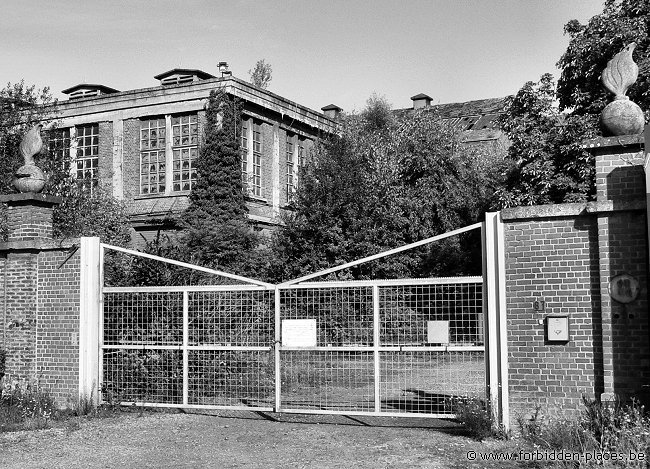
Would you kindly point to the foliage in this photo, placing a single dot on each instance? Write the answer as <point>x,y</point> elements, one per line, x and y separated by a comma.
<point>261,74</point>
<point>601,428</point>
<point>592,45</point>
<point>86,213</point>
<point>547,162</point>
<point>218,233</point>
<point>378,113</point>
<point>380,184</point>
<point>30,406</point>
<point>477,417</point>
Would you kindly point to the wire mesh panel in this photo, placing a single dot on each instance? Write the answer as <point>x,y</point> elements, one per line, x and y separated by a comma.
<point>328,380</point>
<point>143,375</point>
<point>450,313</point>
<point>343,315</point>
<point>243,318</point>
<point>143,318</point>
<point>231,378</point>
<point>430,382</point>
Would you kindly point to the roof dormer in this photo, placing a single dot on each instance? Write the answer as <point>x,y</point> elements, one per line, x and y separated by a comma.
<point>421,101</point>
<point>85,90</point>
<point>179,76</point>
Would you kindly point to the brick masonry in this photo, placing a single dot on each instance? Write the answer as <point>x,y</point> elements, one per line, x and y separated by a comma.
<point>566,255</point>
<point>39,298</point>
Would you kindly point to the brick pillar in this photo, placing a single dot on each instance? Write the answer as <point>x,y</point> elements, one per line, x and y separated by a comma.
<point>622,245</point>
<point>29,221</point>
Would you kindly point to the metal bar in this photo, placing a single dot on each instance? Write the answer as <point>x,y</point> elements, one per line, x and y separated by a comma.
<point>376,339</point>
<point>188,288</point>
<point>185,264</point>
<point>195,406</point>
<point>186,340</point>
<point>277,354</point>
<point>383,254</point>
<point>382,283</point>
<point>369,413</point>
<point>388,348</point>
<point>100,338</point>
<point>189,347</point>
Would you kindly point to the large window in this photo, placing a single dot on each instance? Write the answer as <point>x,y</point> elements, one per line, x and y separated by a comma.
<point>185,132</point>
<point>59,145</point>
<point>153,164</point>
<point>290,165</point>
<point>162,160</point>
<point>257,159</point>
<point>87,158</point>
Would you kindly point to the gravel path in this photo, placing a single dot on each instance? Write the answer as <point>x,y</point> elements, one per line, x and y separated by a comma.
<point>163,440</point>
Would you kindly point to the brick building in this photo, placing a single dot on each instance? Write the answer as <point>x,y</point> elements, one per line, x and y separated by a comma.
<point>141,144</point>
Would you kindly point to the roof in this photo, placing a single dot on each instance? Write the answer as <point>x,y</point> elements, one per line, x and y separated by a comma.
<point>469,115</point>
<point>102,88</point>
<point>331,107</point>
<point>421,96</point>
<point>185,71</point>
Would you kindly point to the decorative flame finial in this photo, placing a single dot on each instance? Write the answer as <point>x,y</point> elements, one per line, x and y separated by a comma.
<point>621,116</point>
<point>29,177</point>
<point>621,72</point>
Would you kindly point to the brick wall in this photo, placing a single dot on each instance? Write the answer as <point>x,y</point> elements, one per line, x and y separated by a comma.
<point>39,300</point>
<point>566,255</point>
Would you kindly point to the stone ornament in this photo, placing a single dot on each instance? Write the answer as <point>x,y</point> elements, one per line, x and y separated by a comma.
<point>29,177</point>
<point>621,116</point>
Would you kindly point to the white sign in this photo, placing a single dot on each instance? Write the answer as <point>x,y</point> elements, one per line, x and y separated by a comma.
<point>438,332</point>
<point>299,333</point>
<point>557,328</point>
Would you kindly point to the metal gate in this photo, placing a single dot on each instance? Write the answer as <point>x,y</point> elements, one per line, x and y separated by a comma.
<point>408,347</point>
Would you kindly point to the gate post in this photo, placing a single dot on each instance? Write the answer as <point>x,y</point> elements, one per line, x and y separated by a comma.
<point>494,307</point>
<point>89,318</point>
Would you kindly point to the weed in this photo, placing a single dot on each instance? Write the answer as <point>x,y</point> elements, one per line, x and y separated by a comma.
<point>477,417</point>
<point>28,406</point>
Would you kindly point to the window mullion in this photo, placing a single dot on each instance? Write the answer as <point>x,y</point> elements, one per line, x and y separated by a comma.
<point>169,159</point>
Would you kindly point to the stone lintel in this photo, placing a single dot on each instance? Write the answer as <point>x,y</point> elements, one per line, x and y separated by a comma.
<point>31,198</point>
<point>35,245</point>
<point>570,210</point>
<point>630,143</point>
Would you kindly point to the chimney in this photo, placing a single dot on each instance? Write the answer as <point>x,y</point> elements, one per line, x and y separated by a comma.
<point>421,101</point>
<point>332,111</point>
<point>223,68</point>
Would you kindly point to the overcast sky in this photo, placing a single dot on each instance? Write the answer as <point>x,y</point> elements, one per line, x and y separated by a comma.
<point>322,52</point>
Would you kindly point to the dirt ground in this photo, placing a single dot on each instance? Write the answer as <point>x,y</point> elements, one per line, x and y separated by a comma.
<point>245,440</point>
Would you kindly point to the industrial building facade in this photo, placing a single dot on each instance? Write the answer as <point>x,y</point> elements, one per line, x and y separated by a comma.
<point>141,145</point>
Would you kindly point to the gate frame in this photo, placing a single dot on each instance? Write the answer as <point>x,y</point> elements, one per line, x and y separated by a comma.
<point>495,325</point>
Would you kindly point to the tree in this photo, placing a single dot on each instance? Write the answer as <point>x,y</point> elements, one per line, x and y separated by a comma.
<point>218,233</point>
<point>547,161</point>
<point>261,74</point>
<point>592,45</point>
<point>377,187</point>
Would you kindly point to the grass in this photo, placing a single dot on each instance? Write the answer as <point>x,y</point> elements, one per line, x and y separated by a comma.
<point>32,407</point>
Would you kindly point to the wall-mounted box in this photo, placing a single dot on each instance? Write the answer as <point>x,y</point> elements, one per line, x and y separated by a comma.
<point>438,332</point>
<point>557,328</point>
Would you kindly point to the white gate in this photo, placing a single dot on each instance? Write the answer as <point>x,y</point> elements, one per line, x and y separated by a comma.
<point>408,347</point>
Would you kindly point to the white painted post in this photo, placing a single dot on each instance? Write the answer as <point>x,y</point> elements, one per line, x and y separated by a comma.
<point>186,343</point>
<point>376,338</point>
<point>89,319</point>
<point>276,350</point>
<point>496,345</point>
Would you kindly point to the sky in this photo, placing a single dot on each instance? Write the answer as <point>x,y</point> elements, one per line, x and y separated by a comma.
<point>321,52</point>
